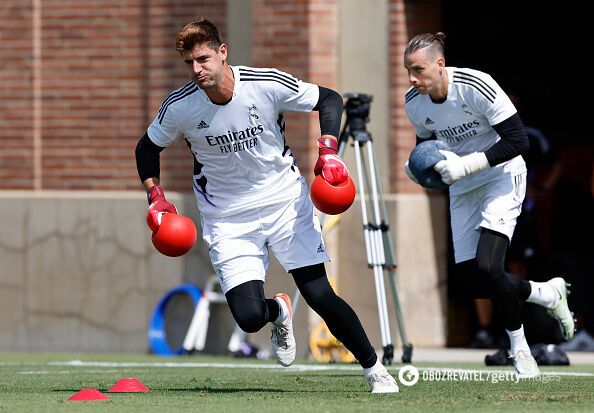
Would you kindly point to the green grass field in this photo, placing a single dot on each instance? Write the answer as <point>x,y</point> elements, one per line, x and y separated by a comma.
<point>35,383</point>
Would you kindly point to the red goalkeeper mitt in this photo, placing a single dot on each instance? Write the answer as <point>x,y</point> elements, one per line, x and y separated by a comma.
<point>329,164</point>
<point>158,205</point>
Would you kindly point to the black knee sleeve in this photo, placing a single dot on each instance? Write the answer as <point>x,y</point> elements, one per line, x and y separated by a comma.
<point>315,288</point>
<point>490,259</point>
<point>250,309</point>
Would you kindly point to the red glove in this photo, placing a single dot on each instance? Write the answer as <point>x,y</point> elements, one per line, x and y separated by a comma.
<point>158,205</point>
<point>329,165</point>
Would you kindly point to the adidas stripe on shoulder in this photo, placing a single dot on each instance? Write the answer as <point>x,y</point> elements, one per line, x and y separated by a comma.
<point>411,94</point>
<point>268,75</point>
<point>182,92</point>
<point>474,81</point>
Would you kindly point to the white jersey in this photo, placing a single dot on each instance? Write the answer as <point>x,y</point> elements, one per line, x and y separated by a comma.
<point>474,103</point>
<point>241,157</point>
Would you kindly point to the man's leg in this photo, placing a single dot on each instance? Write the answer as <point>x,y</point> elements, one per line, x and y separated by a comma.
<point>551,294</point>
<point>506,292</point>
<point>250,309</point>
<point>506,289</point>
<point>343,323</point>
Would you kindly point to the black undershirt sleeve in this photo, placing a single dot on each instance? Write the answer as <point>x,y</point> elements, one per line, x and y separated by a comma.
<point>514,141</point>
<point>330,107</point>
<point>419,140</point>
<point>147,158</point>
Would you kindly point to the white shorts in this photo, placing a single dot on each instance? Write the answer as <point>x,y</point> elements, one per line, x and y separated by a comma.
<point>238,244</point>
<point>495,205</point>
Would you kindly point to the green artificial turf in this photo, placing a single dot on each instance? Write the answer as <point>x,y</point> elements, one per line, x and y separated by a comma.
<point>36,382</point>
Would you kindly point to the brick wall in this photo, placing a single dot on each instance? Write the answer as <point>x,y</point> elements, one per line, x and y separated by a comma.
<point>407,19</point>
<point>323,60</point>
<point>16,94</point>
<point>299,37</point>
<point>104,69</point>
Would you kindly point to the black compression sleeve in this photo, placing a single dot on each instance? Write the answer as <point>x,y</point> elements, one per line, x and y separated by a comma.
<point>330,107</point>
<point>514,141</point>
<point>419,140</point>
<point>147,158</point>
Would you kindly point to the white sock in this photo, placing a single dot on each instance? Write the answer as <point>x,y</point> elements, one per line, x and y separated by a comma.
<point>543,294</point>
<point>283,311</point>
<point>518,341</point>
<point>376,368</point>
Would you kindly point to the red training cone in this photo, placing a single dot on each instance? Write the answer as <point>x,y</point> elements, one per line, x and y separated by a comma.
<point>88,395</point>
<point>128,385</point>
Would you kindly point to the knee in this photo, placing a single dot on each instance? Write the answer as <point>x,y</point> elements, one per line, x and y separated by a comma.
<point>489,269</point>
<point>494,277</point>
<point>319,299</point>
<point>250,321</point>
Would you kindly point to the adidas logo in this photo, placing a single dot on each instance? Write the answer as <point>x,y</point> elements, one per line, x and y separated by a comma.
<point>321,248</point>
<point>202,125</point>
<point>428,121</point>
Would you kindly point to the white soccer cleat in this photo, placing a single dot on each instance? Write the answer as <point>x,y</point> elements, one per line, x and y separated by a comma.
<point>283,340</point>
<point>525,365</point>
<point>561,310</point>
<point>382,382</point>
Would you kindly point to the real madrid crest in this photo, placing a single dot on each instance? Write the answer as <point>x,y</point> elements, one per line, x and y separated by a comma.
<point>466,110</point>
<point>254,112</point>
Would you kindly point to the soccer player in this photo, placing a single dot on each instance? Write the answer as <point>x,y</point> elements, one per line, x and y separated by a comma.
<point>468,111</point>
<point>250,193</point>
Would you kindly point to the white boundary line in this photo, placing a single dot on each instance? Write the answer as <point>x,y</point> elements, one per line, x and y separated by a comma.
<point>293,368</point>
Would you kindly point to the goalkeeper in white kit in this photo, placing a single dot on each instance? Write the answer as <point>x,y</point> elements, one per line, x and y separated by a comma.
<point>250,192</point>
<point>486,174</point>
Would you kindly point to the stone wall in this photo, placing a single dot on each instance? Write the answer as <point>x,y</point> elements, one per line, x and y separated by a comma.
<point>79,272</point>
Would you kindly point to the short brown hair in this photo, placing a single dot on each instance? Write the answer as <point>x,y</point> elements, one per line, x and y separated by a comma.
<point>201,31</point>
<point>435,41</point>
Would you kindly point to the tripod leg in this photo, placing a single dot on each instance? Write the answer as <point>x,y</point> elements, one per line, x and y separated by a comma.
<point>377,238</point>
<point>366,228</point>
<point>375,256</point>
<point>390,263</point>
<point>295,300</point>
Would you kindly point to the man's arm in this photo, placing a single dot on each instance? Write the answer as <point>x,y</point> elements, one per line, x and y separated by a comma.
<point>330,107</point>
<point>147,161</point>
<point>148,166</point>
<point>329,164</point>
<point>513,142</point>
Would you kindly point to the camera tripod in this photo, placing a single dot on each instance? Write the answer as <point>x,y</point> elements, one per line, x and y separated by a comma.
<point>378,240</point>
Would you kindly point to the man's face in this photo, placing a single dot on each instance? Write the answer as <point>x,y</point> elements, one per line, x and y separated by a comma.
<point>205,65</point>
<point>423,70</point>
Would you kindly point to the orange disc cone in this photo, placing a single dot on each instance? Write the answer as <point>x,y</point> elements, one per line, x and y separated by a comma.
<point>128,385</point>
<point>88,395</point>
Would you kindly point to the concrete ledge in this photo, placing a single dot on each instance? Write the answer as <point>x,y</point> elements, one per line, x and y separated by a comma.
<point>79,272</point>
